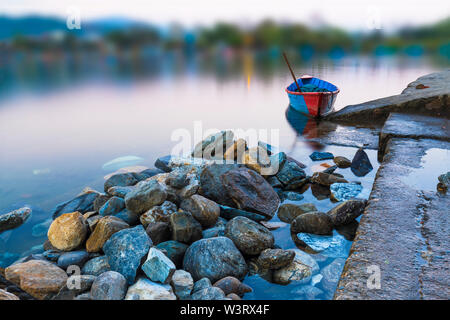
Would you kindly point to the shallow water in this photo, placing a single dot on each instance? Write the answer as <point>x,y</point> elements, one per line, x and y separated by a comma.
<point>59,127</point>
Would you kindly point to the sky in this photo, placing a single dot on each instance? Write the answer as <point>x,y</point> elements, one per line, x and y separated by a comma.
<point>347,14</point>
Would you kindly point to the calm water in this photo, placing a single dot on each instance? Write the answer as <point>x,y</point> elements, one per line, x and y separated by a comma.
<point>62,119</point>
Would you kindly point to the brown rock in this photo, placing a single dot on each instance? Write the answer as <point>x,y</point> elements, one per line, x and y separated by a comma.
<point>347,211</point>
<point>233,296</point>
<point>68,231</point>
<point>289,211</point>
<point>313,222</point>
<point>39,278</point>
<point>158,232</point>
<point>232,285</point>
<point>326,179</point>
<point>342,162</point>
<point>202,209</point>
<point>275,258</point>
<point>159,213</point>
<point>250,191</point>
<point>105,228</point>
<point>5,295</point>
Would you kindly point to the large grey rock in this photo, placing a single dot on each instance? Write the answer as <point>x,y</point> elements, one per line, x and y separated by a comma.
<point>14,218</point>
<point>109,285</point>
<point>249,236</point>
<point>146,195</point>
<point>77,258</point>
<point>214,258</point>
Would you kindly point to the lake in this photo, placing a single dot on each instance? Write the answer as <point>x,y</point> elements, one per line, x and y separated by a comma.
<point>63,118</point>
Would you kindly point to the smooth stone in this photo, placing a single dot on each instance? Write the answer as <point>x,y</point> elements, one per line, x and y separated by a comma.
<point>182,284</point>
<point>41,229</point>
<point>77,258</point>
<point>184,227</point>
<point>39,278</point>
<point>211,186</point>
<point>201,284</point>
<point>232,285</point>
<point>348,231</point>
<point>126,249</point>
<point>14,219</point>
<point>326,179</point>
<point>213,232</point>
<point>230,213</point>
<point>158,232</point>
<point>249,236</point>
<point>214,258</point>
<point>162,163</point>
<point>145,289</point>
<point>346,212</point>
<point>52,255</point>
<point>202,209</point>
<point>361,164</point>
<point>210,293</point>
<point>120,180</point>
<point>345,191</point>
<point>318,156</point>
<point>174,250</point>
<point>159,213</point>
<point>128,217</point>
<point>113,206</point>
<point>158,267</point>
<point>104,229</point>
<point>68,231</point>
<point>342,162</point>
<point>82,203</point>
<point>250,191</point>
<point>320,192</point>
<point>301,269</point>
<point>99,201</point>
<point>120,192</point>
<point>275,258</point>
<point>332,273</point>
<point>109,285</point>
<point>146,195</point>
<point>96,266</point>
<point>312,222</point>
<point>289,211</point>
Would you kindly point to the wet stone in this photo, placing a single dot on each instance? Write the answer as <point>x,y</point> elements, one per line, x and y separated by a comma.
<point>361,164</point>
<point>275,258</point>
<point>77,258</point>
<point>109,285</point>
<point>96,266</point>
<point>158,267</point>
<point>346,212</point>
<point>232,285</point>
<point>342,162</point>
<point>319,156</point>
<point>174,250</point>
<point>312,222</point>
<point>345,191</point>
<point>289,211</point>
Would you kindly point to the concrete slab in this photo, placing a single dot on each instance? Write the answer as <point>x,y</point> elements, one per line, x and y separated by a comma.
<point>404,229</point>
<point>433,101</point>
<point>414,127</point>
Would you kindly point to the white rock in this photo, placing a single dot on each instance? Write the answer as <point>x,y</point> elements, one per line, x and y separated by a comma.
<point>144,289</point>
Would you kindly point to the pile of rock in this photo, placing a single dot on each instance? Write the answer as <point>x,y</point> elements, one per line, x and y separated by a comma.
<point>190,229</point>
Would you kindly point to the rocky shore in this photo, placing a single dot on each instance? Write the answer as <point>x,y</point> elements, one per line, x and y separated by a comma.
<point>192,228</point>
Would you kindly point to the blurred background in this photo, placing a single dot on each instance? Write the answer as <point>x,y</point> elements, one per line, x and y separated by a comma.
<point>84,82</point>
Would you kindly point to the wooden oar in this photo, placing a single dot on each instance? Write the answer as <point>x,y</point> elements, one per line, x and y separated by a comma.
<point>292,72</point>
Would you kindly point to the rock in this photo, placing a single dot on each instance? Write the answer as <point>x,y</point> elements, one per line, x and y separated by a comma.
<point>346,212</point>
<point>158,213</point>
<point>92,221</point>
<point>301,165</point>
<point>184,227</point>
<point>233,296</point>
<point>162,163</point>
<point>275,258</point>
<point>308,291</point>
<point>52,255</point>
<point>75,285</point>
<point>5,295</point>
<point>214,145</point>
<point>201,284</point>
<point>273,225</point>
<point>113,206</point>
<point>41,229</point>
<point>236,151</point>
<point>214,258</point>
<point>326,179</point>
<point>120,180</point>
<point>302,268</point>
<point>68,231</point>
<point>105,228</point>
<point>331,170</point>
<point>331,274</point>
<point>249,236</point>
<point>312,222</point>
<point>146,195</point>
<point>278,160</point>
<point>445,179</point>
<point>230,213</point>
<point>319,156</point>
<point>289,211</point>
<point>182,284</point>
<point>178,178</point>
<point>328,246</point>
<point>174,250</point>
<point>14,218</point>
<point>120,192</point>
<point>250,191</point>
<point>256,159</point>
<point>99,201</point>
<point>82,203</point>
<point>39,278</point>
<point>274,182</point>
<point>125,250</point>
<point>361,164</point>
<point>345,191</point>
<point>292,196</point>
<point>77,258</point>
<point>158,232</point>
<point>319,191</point>
<point>203,210</point>
<point>213,232</point>
<point>96,266</point>
<point>109,285</point>
<point>158,267</point>
<point>232,285</point>
<point>128,217</point>
<point>144,289</point>
<point>211,185</point>
<point>291,175</point>
<point>348,231</point>
<point>342,162</point>
<point>210,293</point>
